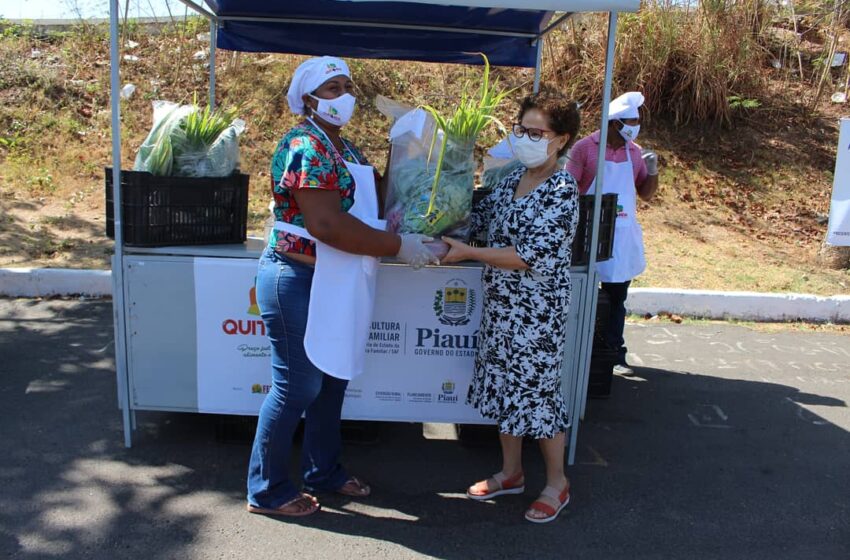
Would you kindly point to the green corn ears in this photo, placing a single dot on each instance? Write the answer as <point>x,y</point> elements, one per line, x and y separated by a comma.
<point>473,114</point>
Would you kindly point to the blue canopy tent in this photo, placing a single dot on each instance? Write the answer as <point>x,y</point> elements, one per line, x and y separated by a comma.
<point>509,32</point>
<point>388,30</point>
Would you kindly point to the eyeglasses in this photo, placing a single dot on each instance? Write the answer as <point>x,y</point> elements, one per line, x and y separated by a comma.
<point>534,134</point>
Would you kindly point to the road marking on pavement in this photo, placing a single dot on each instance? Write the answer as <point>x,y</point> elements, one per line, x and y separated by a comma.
<point>657,358</point>
<point>729,348</point>
<point>709,416</point>
<point>802,414</point>
<point>672,335</point>
<point>805,414</point>
<point>598,460</point>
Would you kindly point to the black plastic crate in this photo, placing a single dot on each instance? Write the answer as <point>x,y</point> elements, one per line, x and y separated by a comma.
<point>160,211</point>
<point>607,218</point>
<point>581,241</point>
<point>602,357</point>
<point>602,362</point>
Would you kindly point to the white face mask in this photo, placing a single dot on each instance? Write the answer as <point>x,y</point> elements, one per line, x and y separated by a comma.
<point>528,152</point>
<point>337,111</point>
<point>629,131</point>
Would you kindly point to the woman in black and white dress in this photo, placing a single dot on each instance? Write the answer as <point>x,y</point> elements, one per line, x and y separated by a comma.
<point>529,221</point>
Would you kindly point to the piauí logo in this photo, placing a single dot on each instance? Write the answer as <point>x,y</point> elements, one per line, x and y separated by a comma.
<point>332,67</point>
<point>454,303</point>
<point>448,394</point>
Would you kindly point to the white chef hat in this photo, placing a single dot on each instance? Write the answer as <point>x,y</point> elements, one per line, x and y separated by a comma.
<point>311,74</point>
<point>626,106</point>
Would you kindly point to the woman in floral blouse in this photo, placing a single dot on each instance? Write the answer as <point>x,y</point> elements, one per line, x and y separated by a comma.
<point>313,182</point>
<point>529,221</point>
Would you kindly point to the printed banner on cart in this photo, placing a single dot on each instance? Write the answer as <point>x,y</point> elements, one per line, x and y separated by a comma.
<point>420,354</point>
<point>838,232</point>
<point>234,354</point>
<point>421,347</point>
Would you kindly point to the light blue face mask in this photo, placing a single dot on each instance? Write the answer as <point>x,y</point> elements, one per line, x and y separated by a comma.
<point>530,153</point>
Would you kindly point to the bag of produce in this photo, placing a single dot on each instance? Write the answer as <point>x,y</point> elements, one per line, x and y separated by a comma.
<point>432,168</point>
<point>499,162</point>
<point>188,141</point>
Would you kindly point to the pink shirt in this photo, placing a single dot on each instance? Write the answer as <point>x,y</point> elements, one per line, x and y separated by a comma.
<point>583,157</point>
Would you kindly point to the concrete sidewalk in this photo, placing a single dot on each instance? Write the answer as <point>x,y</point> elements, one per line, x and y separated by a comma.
<point>730,443</point>
<point>709,304</point>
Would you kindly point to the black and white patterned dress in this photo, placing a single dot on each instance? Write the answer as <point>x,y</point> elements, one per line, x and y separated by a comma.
<point>517,379</point>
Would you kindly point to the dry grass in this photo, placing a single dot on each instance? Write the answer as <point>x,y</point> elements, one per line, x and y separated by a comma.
<point>738,209</point>
<point>688,62</point>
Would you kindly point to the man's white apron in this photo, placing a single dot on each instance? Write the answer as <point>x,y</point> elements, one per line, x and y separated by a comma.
<point>627,260</point>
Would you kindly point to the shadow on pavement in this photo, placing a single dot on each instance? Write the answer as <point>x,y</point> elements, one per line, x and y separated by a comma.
<point>674,465</point>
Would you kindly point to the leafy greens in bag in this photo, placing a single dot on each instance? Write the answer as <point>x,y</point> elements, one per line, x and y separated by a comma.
<point>189,141</point>
<point>432,174</point>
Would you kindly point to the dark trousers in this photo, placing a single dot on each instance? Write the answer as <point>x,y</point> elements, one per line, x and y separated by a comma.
<point>613,335</point>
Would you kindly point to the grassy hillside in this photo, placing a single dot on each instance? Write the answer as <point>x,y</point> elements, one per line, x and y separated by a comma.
<point>745,184</point>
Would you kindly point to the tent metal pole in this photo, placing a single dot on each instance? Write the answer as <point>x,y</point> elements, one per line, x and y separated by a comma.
<point>196,8</point>
<point>552,26</point>
<point>213,40</point>
<point>589,299</point>
<point>538,67</point>
<point>118,306</point>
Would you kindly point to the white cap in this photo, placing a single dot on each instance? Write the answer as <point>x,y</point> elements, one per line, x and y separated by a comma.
<point>626,106</point>
<point>311,74</point>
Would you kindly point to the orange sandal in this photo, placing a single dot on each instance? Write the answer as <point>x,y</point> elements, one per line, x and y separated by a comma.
<point>505,485</point>
<point>299,512</point>
<point>561,496</point>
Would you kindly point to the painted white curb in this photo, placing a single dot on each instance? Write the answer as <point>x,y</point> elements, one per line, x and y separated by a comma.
<point>748,306</point>
<point>41,282</point>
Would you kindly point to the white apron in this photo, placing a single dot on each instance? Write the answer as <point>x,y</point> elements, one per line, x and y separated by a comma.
<point>343,291</point>
<point>627,260</point>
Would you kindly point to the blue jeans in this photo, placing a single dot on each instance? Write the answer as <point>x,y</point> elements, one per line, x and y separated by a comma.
<point>613,335</point>
<point>298,388</point>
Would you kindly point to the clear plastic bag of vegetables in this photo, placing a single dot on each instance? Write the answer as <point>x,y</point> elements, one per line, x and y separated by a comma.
<point>419,200</point>
<point>432,168</point>
<point>189,141</point>
<point>499,162</point>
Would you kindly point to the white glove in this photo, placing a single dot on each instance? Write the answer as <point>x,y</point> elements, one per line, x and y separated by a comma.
<point>651,160</point>
<point>414,252</point>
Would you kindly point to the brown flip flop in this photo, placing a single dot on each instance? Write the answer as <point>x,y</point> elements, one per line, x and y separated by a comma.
<point>314,507</point>
<point>363,489</point>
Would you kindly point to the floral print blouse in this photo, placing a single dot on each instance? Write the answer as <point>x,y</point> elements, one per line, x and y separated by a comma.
<point>305,159</point>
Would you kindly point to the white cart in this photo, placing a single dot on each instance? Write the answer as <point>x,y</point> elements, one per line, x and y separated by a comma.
<point>187,336</point>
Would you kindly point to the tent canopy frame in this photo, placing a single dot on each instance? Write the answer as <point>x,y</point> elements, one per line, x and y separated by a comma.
<point>588,310</point>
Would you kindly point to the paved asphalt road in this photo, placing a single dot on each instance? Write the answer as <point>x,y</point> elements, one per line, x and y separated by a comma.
<point>730,443</point>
